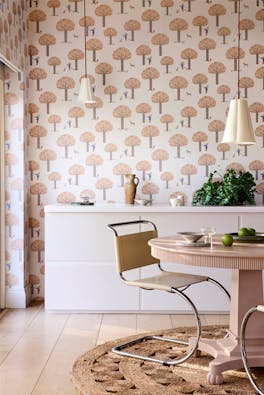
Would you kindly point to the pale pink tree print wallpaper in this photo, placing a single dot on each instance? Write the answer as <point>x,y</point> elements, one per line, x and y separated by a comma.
<point>163,73</point>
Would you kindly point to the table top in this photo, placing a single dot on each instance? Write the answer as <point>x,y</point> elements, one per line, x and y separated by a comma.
<point>244,256</point>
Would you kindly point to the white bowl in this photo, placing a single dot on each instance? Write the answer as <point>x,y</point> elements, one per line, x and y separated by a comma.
<point>191,237</point>
<point>142,202</point>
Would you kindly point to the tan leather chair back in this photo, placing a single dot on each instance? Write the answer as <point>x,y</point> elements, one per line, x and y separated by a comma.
<point>133,251</point>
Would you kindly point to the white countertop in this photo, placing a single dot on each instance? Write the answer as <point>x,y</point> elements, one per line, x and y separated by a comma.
<point>156,208</point>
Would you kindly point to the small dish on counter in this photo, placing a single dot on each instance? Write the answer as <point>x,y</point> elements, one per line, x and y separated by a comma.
<point>191,237</point>
<point>143,202</point>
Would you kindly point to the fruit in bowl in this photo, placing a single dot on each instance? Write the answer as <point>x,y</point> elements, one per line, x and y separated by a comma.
<point>243,232</point>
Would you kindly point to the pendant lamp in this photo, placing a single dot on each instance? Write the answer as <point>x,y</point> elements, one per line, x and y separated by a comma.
<point>239,129</point>
<point>85,92</point>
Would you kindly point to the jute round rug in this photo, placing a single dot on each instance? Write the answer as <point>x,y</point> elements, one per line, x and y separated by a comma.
<point>99,371</point>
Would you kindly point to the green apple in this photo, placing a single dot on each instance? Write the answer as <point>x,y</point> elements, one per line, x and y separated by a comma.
<point>243,232</point>
<point>251,231</point>
<point>227,240</point>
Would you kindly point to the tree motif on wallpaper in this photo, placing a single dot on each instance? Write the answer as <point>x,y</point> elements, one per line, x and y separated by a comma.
<point>160,155</point>
<point>216,68</point>
<point>87,138</point>
<point>103,184</point>
<point>188,170</point>
<point>65,83</point>
<point>256,108</point>
<point>47,40</point>
<point>122,112</point>
<point>150,16</point>
<point>189,113</point>
<point>37,16</point>
<point>33,167</point>
<point>178,25</point>
<point>256,166</point>
<point>66,198</point>
<point>76,170</point>
<point>32,51</point>
<point>47,98</point>
<point>94,45</point>
<point>167,176</point>
<point>54,119</point>
<point>87,193</point>
<point>223,90</point>
<point>132,84</point>
<point>217,10</point>
<point>206,160</point>
<point>131,26</point>
<point>10,161</point>
<point>150,188</point>
<point>94,106</point>
<point>54,61</point>
<point>11,280</point>
<point>150,131</point>
<point>144,166</point>
<point>10,99</point>
<point>75,2</point>
<point>11,220</point>
<point>246,25</point>
<point>189,54</point>
<point>167,4</point>
<point>259,132</point>
<point>150,73</point>
<point>103,11</point>
<point>200,80</point>
<point>33,224</point>
<point>37,132</point>
<point>94,161</point>
<point>160,40</point>
<point>178,140</point>
<point>178,83</point>
<point>260,75</point>
<point>86,22</point>
<point>48,155</point>
<point>17,124</point>
<point>201,22</point>
<point>216,127</point>
<point>38,247</point>
<point>167,61</point>
<point>224,32</point>
<point>207,44</point>
<point>143,108</point>
<point>65,25</point>
<point>235,53</point>
<point>66,141</point>
<point>17,185</point>
<point>160,98</point>
<point>121,5</point>
<point>167,119</point>
<point>260,17</point>
<point>132,142</point>
<point>122,54</point>
<point>104,127</point>
<point>246,83</point>
<point>223,147</point>
<point>54,177</point>
<point>121,169</point>
<point>104,69</point>
<point>53,4</point>
<point>76,113</point>
<point>110,147</point>
<point>110,90</point>
<point>206,102</point>
<point>110,32</point>
<point>144,51</point>
<point>76,55</point>
<point>38,189</point>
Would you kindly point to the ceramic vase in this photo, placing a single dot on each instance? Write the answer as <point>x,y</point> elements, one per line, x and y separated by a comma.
<point>130,188</point>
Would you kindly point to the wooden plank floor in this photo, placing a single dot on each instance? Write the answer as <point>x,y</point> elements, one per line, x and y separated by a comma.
<point>37,349</point>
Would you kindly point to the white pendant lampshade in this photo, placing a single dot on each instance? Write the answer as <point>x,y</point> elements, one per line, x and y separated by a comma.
<point>239,128</point>
<point>86,93</point>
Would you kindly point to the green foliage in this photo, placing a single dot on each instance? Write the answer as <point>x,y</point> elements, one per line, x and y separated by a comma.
<point>234,189</point>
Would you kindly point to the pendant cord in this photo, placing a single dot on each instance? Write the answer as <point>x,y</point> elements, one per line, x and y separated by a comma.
<point>238,57</point>
<point>84,28</point>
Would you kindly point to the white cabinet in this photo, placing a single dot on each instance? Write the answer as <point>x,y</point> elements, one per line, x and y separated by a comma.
<point>80,270</point>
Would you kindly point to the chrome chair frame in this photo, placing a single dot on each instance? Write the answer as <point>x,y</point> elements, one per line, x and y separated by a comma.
<point>172,289</point>
<point>243,346</point>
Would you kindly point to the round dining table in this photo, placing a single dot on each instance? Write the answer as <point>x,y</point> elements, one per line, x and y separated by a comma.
<point>246,260</point>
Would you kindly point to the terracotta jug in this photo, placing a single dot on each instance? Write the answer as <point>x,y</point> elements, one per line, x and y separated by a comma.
<point>130,188</point>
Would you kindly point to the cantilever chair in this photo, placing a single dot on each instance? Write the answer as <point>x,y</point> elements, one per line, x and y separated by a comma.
<point>133,252</point>
<point>243,346</point>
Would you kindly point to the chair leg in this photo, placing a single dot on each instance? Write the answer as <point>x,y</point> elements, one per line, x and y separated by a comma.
<point>219,285</point>
<point>243,347</point>
<point>118,349</point>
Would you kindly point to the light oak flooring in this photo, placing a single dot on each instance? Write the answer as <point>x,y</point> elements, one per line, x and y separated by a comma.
<point>37,349</point>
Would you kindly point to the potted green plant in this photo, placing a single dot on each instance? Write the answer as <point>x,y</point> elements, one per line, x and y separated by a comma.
<point>233,189</point>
